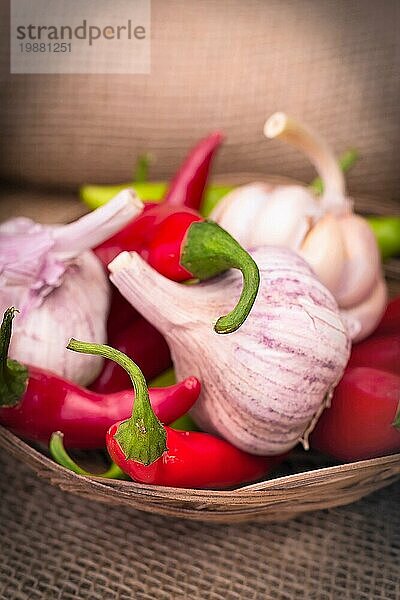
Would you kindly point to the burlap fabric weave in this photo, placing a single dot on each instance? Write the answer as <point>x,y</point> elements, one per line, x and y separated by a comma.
<point>59,547</point>
<point>225,65</point>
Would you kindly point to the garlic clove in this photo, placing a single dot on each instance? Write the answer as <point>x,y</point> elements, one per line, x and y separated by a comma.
<point>362,265</point>
<point>287,217</point>
<point>258,214</point>
<point>239,208</point>
<point>363,318</point>
<point>324,250</point>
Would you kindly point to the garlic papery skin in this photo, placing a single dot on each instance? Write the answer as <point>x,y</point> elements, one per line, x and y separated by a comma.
<point>59,286</point>
<point>263,384</point>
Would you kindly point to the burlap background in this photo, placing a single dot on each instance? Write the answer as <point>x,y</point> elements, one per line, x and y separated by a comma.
<point>59,547</point>
<point>218,64</point>
<point>223,65</point>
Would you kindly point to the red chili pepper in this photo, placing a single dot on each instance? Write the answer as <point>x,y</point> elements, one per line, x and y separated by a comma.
<point>364,418</point>
<point>193,460</point>
<point>127,330</point>
<point>182,246</point>
<point>187,187</point>
<point>145,345</point>
<point>166,246</point>
<point>379,352</point>
<point>121,315</point>
<point>35,403</point>
<point>151,453</point>
<point>390,322</point>
<point>186,190</point>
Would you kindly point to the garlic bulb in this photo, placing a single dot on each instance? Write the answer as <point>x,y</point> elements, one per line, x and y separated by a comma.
<point>339,246</point>
<point>263,385</point>
<point>59,286</point>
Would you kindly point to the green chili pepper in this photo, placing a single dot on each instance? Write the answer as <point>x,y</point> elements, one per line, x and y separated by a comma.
<point>387,233</point>
<point>153,191</point>
<point>97,195</point>
<point>60,455</point>
<point>214,193</point>
<point>166,378</point>
<point>184,423</point>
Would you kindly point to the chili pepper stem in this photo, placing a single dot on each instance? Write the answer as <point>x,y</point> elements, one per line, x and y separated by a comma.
<point>60,455</point>
<point>13,375</point>
<point>141,173</point>
<point>210,250</point>
<point>141,437</point>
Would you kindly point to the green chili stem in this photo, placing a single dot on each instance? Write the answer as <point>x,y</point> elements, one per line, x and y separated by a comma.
<point>141,173</point>
<point>61,456</point>
<point>5,337</point>
<point>210,250</point>
<point>142,437</point>
<point>13,375</point>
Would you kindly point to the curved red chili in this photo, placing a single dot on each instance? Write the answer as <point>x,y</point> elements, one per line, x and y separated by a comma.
<point>193,460</point>
<point>180,245</point>
<point>185,192</point>
<point>35,403</point>
<point>188,185</point>
<point>127,330</point>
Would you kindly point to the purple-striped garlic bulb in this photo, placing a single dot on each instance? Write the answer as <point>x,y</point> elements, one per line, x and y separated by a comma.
<point>336,243</point>
<point>264,385</point>
<point>59,286</point>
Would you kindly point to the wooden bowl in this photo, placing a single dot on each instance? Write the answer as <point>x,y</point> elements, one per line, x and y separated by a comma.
<point>310,484</point>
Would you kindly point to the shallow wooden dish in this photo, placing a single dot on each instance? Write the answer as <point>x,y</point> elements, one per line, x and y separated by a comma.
<point>317,486</point>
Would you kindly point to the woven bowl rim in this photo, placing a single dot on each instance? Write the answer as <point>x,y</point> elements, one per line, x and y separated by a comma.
<point>246,492</point>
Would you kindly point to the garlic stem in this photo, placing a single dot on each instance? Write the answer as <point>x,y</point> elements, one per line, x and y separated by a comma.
<point>98,225</point>
<point>281,126</point>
